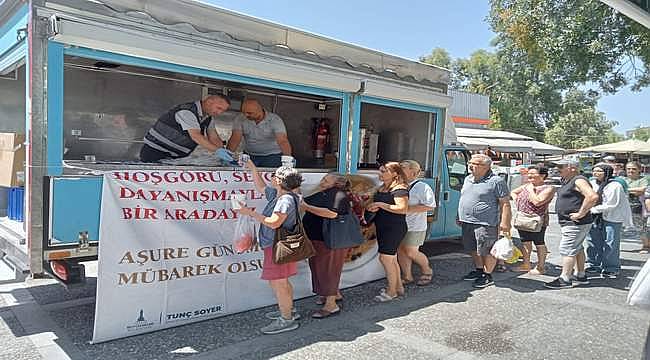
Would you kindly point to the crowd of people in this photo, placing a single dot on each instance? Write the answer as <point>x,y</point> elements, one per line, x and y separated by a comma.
<point>591,213</point>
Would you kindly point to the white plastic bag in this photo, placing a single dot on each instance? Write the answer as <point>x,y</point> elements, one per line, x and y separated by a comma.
<point>639,294</point>
<point>245,233</point>
<point>503,248</point>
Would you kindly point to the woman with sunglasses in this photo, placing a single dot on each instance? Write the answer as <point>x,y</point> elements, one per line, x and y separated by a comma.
<point>390,203</point>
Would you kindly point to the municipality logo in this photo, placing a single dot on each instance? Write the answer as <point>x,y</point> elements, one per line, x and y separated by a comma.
<point>140,323</point>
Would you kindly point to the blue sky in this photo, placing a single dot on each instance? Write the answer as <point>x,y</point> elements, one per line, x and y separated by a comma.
<point>413,29</point>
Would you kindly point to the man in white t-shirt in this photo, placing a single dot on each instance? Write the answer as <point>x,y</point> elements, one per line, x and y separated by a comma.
<point>180,130</point>
<point>421,200</point>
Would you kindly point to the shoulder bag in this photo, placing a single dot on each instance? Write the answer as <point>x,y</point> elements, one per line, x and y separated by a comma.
<point>528,222</point>
<point>292,245</point>
<point>344,231</point>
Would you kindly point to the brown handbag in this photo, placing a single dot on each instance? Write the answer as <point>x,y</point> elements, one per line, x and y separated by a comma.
<point>292,245</point>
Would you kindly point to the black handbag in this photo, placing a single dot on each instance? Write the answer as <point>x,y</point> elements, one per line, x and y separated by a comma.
<point>344,231</point>
<point>292,245</point>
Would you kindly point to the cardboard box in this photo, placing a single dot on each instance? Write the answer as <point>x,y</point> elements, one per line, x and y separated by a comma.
<point>12,159</point>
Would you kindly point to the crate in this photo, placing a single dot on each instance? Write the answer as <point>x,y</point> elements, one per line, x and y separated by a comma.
<point>16,204</point>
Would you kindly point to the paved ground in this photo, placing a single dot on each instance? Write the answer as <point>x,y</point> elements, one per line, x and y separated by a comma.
<point>516,319</point>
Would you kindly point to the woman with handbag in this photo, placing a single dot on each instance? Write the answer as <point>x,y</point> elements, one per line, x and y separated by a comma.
<point>421,200</point>
<point>531,219</point>
<point>390,204</point>
<point>280,211</point>
<point>612,211</point>
<point>331,202</point>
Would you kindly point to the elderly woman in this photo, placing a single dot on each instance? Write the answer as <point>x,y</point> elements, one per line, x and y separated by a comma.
<point>637,185</point>
<point>534,198</point>
<point>280,210</point>
<point>421,200</point>
<point>612,210</point>
<point>390,203</point>
<point>326,266</point>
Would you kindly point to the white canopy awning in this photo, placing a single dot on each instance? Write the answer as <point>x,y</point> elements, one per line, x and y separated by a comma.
<point>504,141</point>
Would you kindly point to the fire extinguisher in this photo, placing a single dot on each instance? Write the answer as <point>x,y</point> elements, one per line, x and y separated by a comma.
<point>321,138</point>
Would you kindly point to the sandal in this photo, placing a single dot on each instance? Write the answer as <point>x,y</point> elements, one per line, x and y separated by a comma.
<point>535,271</point>
<point>400,292</point>
<point>383,297</point>
<point>322,313</point>
<point>425,279</point>
<point>407,282</point>
<point>321,300</point>
<point>522,268</point>
<point>500,268</point>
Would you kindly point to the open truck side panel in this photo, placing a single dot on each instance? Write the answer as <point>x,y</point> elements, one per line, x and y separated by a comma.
<point>97,77</point>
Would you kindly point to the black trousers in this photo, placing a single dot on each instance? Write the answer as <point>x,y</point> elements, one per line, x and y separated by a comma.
<point>151,155</point>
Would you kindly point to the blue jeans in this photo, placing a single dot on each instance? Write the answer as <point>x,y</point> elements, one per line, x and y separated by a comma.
<point>604,247</point>
<point>270,161</point>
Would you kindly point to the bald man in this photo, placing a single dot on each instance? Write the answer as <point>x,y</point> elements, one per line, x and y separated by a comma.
<point>264,134</point>
<point>180,130</point>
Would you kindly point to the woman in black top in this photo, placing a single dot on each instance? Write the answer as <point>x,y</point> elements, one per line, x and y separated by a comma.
<point>390,204</point>
<point>326,266</point>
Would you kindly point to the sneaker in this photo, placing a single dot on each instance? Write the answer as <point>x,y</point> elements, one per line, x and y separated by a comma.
<point>579,280</point>
<point>610,274</point>
<point>280,325</point>
<point>473,275</point>
<point>484,281</point>
<point>592,270</point>
<point>558,283</point>
<point>274,315</point>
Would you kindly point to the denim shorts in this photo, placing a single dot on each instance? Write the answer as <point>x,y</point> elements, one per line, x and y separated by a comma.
<point>479,238</point>
<point>573,237</point>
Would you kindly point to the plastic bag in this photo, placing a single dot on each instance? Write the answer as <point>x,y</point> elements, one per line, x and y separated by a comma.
<point>503,248</point>
<point>245,234</point>
<point>516,254</point>
<point>639,294</point>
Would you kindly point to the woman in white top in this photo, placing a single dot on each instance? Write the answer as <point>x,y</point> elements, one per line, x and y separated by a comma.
<point>613,210</point>
<point>421,200</point>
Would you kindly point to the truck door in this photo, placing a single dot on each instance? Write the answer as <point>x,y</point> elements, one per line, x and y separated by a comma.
<point>456,160</point>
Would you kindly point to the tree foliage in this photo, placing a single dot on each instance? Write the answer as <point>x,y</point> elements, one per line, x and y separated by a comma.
<point>577,41</point>
<point>551,60</point>
<point>642,134</point>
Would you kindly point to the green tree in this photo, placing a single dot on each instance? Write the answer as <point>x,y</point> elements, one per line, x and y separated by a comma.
<point>439,57</point>
<point>642,134</point>
<point>577,41</point>
<point>582,128</point>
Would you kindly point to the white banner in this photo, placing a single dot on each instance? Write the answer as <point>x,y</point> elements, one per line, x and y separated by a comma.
<point>167,259</point>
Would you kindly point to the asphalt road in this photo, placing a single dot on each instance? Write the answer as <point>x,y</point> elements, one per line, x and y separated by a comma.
<point>515,319</point>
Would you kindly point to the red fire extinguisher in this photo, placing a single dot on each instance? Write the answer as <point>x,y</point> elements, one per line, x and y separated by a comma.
<point>321,138</point>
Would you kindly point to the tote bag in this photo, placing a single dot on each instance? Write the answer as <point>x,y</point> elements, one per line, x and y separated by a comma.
<point>344,231</point>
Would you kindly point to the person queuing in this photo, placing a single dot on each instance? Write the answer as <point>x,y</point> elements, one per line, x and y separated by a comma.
<point>280,210</point>
<point>574,200</point>
<point>534,198</point>
<point>180,130</point>
<point>483,210</point>
<point>637,185</point>
<point>263,132</point>
<point>611,212</point>
<point>326,266</point>
<point>421,200</point>
<point>390,203</point>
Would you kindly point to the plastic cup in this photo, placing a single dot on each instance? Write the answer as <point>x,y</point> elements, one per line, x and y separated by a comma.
<point>288,160</point>
<point>235,200</point>
<point>243,159</point>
